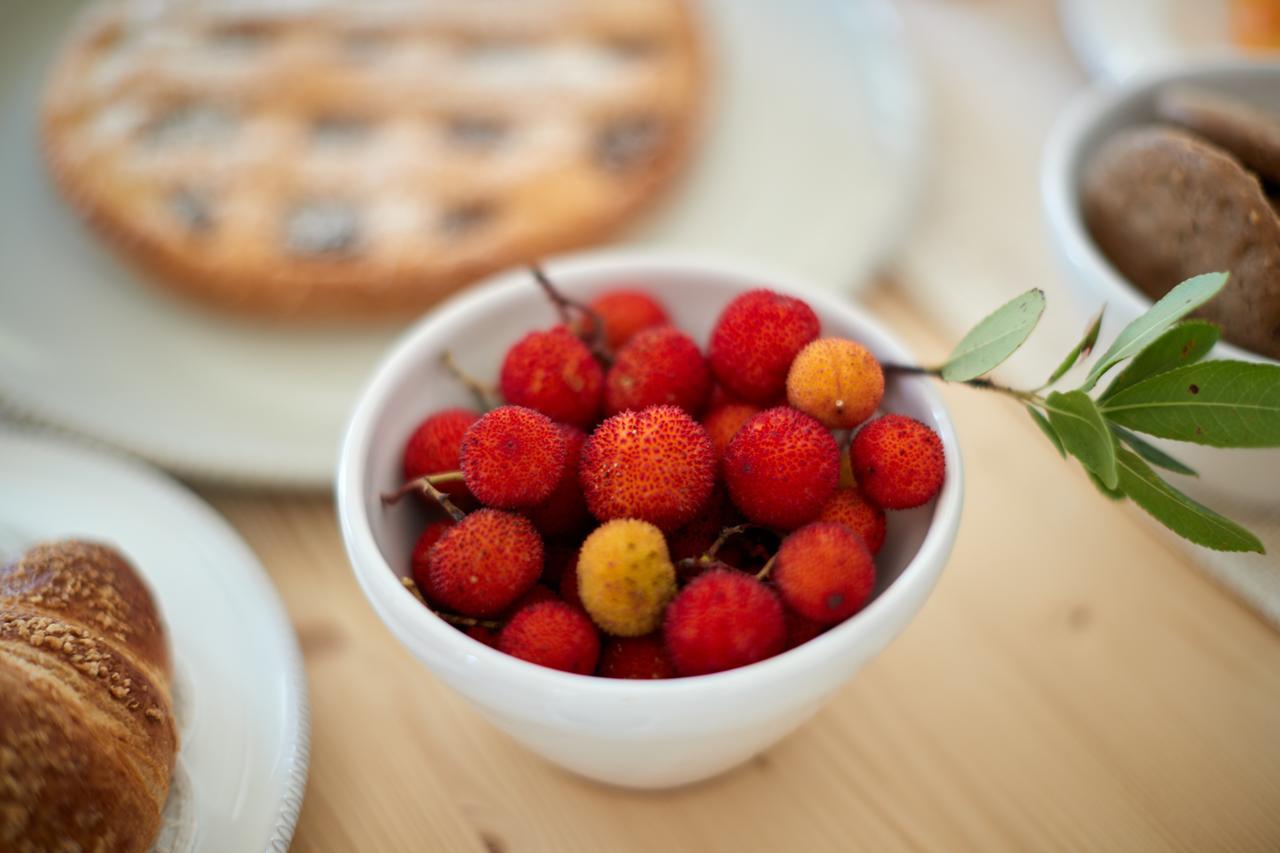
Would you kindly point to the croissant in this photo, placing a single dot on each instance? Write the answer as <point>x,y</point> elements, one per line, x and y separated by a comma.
<point>87,737</point>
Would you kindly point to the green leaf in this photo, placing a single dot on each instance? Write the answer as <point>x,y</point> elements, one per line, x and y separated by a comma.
<point>1219,403</point>
<point>1179,513</point>
<point>1185,343</point>
<point>994,339</point>
<point>1173,306</point>
<point>1109,493</point>
<point>1084,433</point>
<point>1151,453</point>
<point>1083,348</point>
<point>1047,429</point>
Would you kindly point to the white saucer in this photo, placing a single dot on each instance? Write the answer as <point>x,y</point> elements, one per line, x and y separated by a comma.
<point>239,691</point>
<point>809,165</point>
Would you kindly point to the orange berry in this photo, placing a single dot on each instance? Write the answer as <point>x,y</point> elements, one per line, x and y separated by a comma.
<point>848,506</point>
<point>837,381</point>
<point>625,312</point>
<point>722,423</point>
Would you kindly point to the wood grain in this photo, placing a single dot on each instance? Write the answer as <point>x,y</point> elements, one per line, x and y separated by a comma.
<point>1072,684</point>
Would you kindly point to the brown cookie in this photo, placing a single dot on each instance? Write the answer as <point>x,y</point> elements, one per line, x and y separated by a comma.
<point>339,160</point>
<point>1250,133</point>
<point>1163,206</point>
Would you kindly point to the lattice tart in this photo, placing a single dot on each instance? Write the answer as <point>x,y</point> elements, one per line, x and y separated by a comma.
<point>312,160</point>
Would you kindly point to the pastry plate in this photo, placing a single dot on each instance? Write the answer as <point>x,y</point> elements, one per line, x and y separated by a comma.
<point>809,164</point>
<point>1116,39</point>
<point>240,695</point>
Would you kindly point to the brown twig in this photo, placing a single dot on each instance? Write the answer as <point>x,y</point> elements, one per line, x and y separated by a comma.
<point>486,395</point>
<point>427,486</point>
<point>599,348</point>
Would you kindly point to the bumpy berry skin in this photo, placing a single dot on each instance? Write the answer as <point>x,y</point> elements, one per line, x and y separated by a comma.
<point>433,447</point>
<point>848,506</point>
<point>898,462</point>
<point>625,577</point>
<point>723,619</point>
<point>723,422</point>
<point>755,340</point>
<point>555,373</point>
<point>536,595</point>
<point>659,366</point>
<point>481,634</point>
<point>554,635</point>
<point>656,465</point>
<point>482,564</point>
<point>565,511</point>
<point>837,381</point>
<point>635,657</point>
<point>824,572</point>
<point>625,313</point>
<point>419,560</point>
<point>781,467</point>
<point>512,458</point>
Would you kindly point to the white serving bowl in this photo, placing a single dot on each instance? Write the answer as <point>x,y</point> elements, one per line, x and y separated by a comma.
<point>1245,480</point>
<point>634,733</point>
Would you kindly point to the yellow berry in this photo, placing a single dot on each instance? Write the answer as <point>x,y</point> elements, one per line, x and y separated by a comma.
<point>837,381</point>
<point>625,577</point>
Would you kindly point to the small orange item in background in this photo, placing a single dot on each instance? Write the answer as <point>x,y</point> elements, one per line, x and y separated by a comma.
<point>1255,24</point>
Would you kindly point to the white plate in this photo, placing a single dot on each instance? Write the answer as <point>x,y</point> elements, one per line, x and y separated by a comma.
<point>809,165</point>
<point>240,693</point>
<point>1115,39</point>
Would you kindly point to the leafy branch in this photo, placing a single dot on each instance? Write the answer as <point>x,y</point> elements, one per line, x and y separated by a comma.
<point>1163,389</point>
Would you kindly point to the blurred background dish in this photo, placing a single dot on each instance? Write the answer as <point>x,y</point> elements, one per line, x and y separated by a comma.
<point>1116,39</point>
<point>819,186</point>
<point>240,695</point>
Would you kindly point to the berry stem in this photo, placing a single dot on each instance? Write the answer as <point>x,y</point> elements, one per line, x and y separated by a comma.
<point>410,585</point>
<point>563,303</point>
<point>981,383</point>
<point>426,485</point>
<point>764,573</point>
<point>486,395</point>
<point>467,621</point>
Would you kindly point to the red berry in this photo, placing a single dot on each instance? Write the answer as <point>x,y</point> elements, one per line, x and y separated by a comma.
<point>781,467</point>
<point>536,595</point>
<point>801,630</point>
<point>552,634</point>
<point>898,461</point>
<point>513,458</point>
<point>755,340</point>
<point>625,312</point>
<point>555,373</point>
<point>723,422</point>
<point>569,586</point>
<point>419,559</point>
<point>721,620</point>
<point>635,657</point>
<point>481,634</point>
<point>433,447</point>
<point>565,511</point>
<point>484,563</point>
<point>848,506</point>
<point>656,465</point>
<point>824,572</point>
<point>659,365</point>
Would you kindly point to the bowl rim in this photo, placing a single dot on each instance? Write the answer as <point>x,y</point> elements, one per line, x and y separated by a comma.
<point>396,606</point>
<point>1061,163</point>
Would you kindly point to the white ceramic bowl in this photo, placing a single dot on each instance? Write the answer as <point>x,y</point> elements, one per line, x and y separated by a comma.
<point>1241,479</point>
<point>642,734</point>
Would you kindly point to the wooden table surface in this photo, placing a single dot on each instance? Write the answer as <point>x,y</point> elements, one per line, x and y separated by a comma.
<point>1073,683</point>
